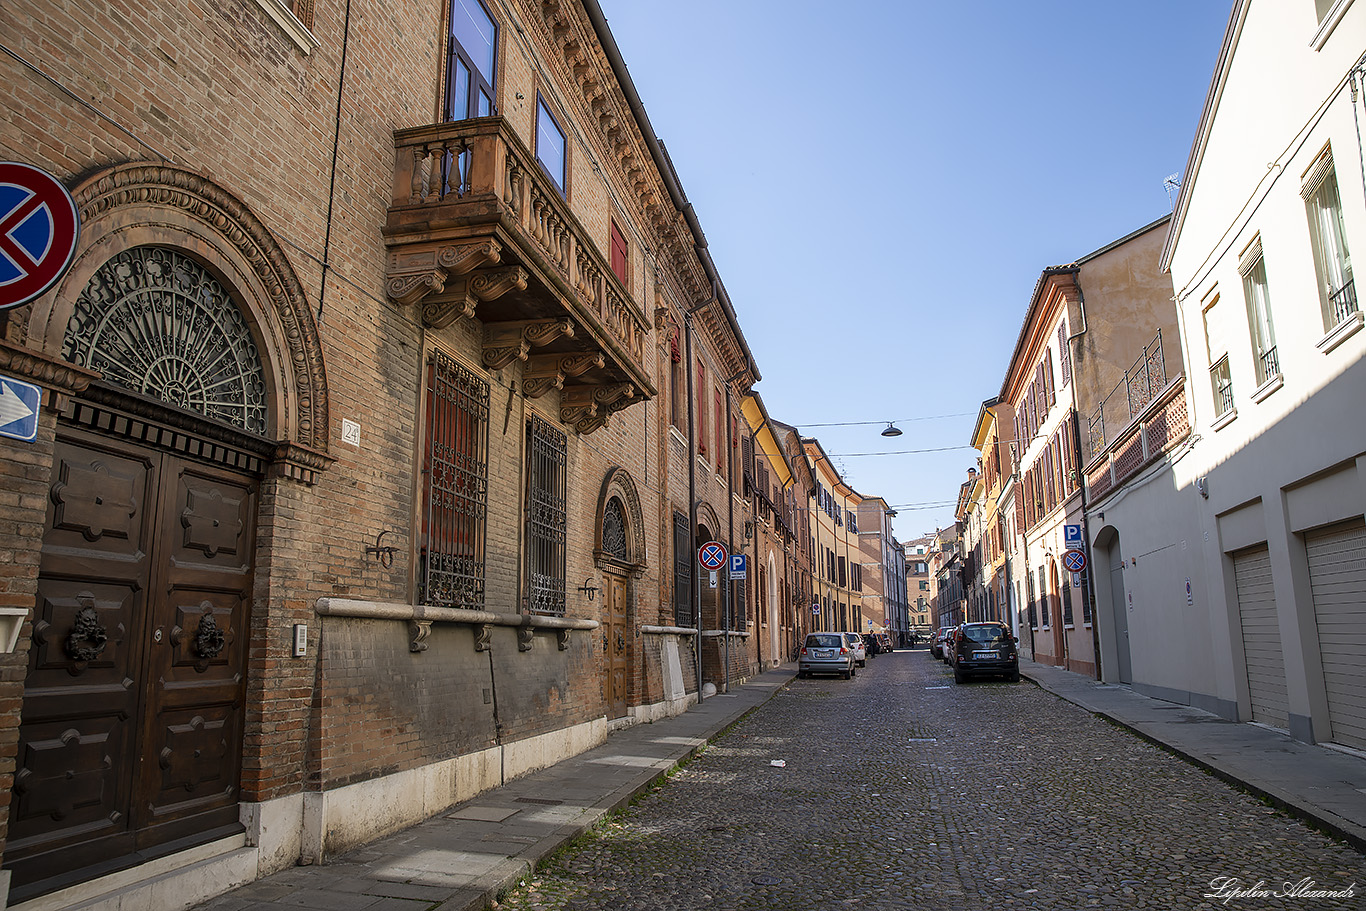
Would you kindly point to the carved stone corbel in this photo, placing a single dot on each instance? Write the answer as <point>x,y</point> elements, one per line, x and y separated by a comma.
<point>511,341</point>
<point>526,637</point>
<point>562,639</point>
<point>483,637</point>
<point>410,286</point>
<point>462,259</point>
<point>467,291</point>
<point>587,408</point>
<point>440,312</point>
<point>548,371</point>
<point>418,631</point>
<point>413,277</point>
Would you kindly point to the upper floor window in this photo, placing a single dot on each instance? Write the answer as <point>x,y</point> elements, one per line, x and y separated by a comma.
<point>619,252</point>
<point>551,149</point>
<point>1216,344</point>
<point>1253,269</point>
<point>1332,261</point>
<point>469,71</point>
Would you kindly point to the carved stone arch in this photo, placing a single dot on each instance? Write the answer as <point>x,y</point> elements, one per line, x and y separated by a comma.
<point>707,518</point>
<point>140,204</point>
<point>619,502</point>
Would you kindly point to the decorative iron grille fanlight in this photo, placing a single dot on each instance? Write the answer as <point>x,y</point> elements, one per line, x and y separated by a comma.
<point>614,529</point>
<point>155,321</point>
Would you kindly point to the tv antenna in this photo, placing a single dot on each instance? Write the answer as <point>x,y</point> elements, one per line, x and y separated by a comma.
<point>1172,184</point>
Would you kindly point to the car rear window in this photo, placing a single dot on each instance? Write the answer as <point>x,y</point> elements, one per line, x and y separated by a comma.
<point>818,641</point>
<point>984,633</point>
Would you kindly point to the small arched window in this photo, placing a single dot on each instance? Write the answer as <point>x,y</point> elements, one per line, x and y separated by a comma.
<point>614,529</point>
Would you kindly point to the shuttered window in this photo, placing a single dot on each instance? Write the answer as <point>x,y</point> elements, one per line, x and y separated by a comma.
<point>1064,354</point>
<point>618,255</point>
<point>682,571</point>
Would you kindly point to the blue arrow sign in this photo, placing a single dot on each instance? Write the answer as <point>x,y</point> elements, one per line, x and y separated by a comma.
<point>19,403</point>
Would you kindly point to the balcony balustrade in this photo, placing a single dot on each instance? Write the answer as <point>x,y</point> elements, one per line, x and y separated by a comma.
<point>1343,302</point>
<point>476,230</point>
<point>1142,382</point>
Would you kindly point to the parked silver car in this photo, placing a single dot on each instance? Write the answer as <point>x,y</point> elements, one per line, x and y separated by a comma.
<point>825,653</point>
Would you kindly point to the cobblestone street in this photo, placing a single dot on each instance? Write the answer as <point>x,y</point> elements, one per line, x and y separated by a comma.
<point>900,789</point>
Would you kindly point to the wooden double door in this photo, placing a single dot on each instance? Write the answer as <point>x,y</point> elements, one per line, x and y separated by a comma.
<point>131,736</point>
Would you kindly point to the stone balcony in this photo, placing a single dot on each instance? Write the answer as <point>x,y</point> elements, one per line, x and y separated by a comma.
<point>477,231</point>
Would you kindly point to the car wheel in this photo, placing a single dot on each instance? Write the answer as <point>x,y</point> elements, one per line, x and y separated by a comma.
<point>1015,676</point>
<point>848,674</point>
<point>959,676</point>
<point>863,663</point>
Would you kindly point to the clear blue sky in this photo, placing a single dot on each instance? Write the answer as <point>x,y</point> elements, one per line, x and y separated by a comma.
<point>881,183</point>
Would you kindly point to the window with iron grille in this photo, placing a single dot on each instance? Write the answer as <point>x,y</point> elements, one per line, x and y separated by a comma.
<point>547,449</point>
<point>682,571</point>
<point>455,498</point>
<point>1066,601</point>
<point>614,530</point>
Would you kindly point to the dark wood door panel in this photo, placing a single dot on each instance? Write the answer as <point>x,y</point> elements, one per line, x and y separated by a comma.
<point>98,510</point>
<point>68,786</point>
<point>131,736</point>
<point>191,766</point>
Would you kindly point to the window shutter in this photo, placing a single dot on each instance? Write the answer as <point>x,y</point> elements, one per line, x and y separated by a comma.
<point>1048,377</point>
<point>618,253</point>
<point>1064,354</point>
<point>747,458</point>
<point>682,571</point>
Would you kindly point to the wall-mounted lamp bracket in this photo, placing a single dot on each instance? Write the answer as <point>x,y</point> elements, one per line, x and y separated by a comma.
<point>383,553</point>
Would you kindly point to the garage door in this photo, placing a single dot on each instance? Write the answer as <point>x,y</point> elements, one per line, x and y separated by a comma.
<point>1337,574</point>
<point>1261,637</point>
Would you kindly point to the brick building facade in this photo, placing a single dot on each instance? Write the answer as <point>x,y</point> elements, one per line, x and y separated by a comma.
<point>386,401</point>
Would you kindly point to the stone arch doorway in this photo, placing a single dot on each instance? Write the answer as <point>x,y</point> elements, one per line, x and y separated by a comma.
<point>1054,607</point>
<point>207,379</point>
<point>619,553</point>
<point>773,603</point>
<point>1112,602</point>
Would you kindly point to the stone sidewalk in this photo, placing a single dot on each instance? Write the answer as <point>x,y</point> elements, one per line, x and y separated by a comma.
<point>1320,785</point>
<point>462,859</point>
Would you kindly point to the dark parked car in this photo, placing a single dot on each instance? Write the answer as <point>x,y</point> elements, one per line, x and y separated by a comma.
<point>825,653</point>
<point>937,643</point>
<point>985,649</point>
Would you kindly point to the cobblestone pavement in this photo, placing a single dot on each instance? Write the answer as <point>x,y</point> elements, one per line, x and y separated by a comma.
<point>902,790</point>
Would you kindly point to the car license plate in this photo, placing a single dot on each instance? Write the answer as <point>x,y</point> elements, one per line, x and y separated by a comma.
<point>985,656</point>
<point>825,653</point>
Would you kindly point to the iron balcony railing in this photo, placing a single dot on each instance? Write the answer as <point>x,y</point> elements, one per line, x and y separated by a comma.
<point>1343,302</point>
<point>1141,384</point>
<point>1268,365</point>
<point>1222,384</point>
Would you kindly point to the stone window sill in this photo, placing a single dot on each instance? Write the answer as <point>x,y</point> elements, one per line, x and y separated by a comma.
<point>1225,419</point>
<point>1341,332</point>
<point>1266,389</point>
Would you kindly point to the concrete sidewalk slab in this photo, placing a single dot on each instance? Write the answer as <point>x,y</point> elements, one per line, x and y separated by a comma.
<point>465,856</point>
<point>1323,786</point>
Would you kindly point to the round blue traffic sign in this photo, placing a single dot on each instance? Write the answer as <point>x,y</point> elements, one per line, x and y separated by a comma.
<point>38,229</point>
<point>712,555</point>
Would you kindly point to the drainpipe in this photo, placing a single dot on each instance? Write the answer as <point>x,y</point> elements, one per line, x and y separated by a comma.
<point>1089,591</point>
<point>694,588</point>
